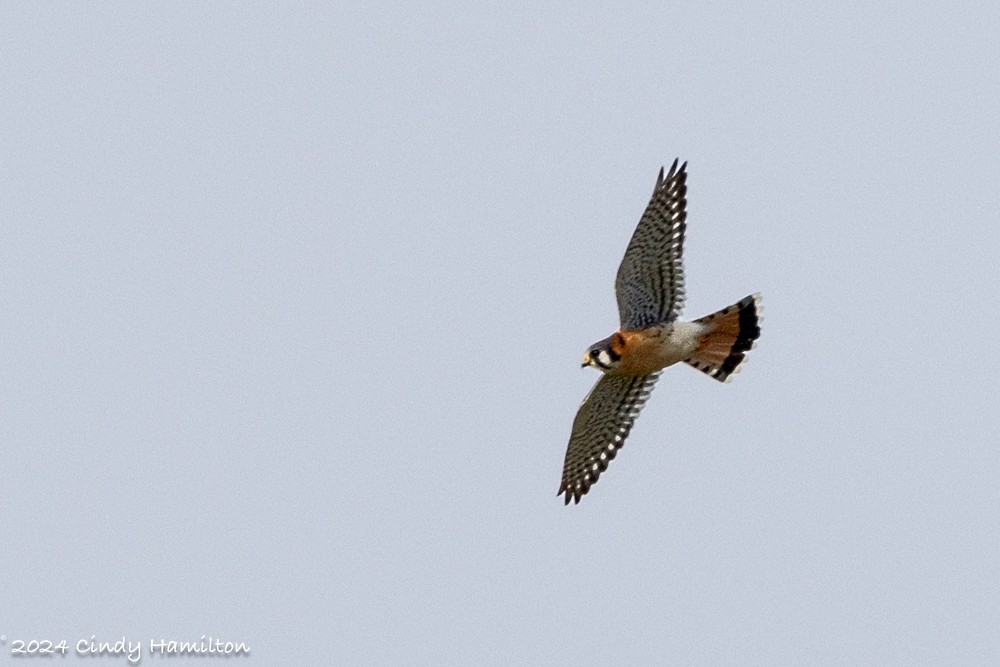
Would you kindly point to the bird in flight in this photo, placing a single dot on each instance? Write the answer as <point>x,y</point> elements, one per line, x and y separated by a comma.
<point>650,292</point>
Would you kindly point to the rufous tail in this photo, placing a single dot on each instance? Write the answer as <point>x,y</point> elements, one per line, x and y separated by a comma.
<point>731,333</point>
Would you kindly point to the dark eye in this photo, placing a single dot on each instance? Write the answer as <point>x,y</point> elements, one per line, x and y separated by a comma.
<point>594,353</point>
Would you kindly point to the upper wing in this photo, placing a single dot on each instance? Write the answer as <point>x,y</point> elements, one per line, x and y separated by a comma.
<point>650,282</point>
<point>600,428</point>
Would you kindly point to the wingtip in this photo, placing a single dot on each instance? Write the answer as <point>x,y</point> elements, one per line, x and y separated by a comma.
<point>563,492</point>
<point>674,171</point>
<point>574,494</point>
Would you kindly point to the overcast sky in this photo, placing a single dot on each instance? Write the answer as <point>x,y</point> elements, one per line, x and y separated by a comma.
<point>293,301</point>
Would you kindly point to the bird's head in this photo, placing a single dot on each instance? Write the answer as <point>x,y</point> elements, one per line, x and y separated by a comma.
<point>605,355</point>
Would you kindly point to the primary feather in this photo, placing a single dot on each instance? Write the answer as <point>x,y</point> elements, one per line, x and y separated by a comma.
<point>650,281</point>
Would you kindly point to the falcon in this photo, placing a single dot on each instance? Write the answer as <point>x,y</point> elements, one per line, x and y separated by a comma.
<point>650,292</point>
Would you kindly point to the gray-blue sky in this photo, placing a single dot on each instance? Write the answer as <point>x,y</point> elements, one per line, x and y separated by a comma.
<point>294,300</point>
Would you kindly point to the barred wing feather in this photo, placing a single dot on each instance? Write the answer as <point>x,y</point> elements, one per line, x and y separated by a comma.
<point>650,280</point>
<point>600,428</point>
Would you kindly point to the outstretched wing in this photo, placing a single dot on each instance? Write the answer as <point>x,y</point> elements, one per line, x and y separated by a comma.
<point>600,428</point>
<point>650,282</point>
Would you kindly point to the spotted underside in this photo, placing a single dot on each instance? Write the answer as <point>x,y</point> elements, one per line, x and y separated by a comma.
<point>600,428</point>
<point>650,280</point>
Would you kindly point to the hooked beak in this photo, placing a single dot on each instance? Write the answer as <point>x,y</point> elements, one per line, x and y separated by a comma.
<point>586,362</point>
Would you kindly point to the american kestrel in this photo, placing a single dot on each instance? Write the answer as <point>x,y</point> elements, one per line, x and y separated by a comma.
<point>650,291</point>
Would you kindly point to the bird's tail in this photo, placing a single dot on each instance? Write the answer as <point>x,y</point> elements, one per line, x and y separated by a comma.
<point>731,333</point>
